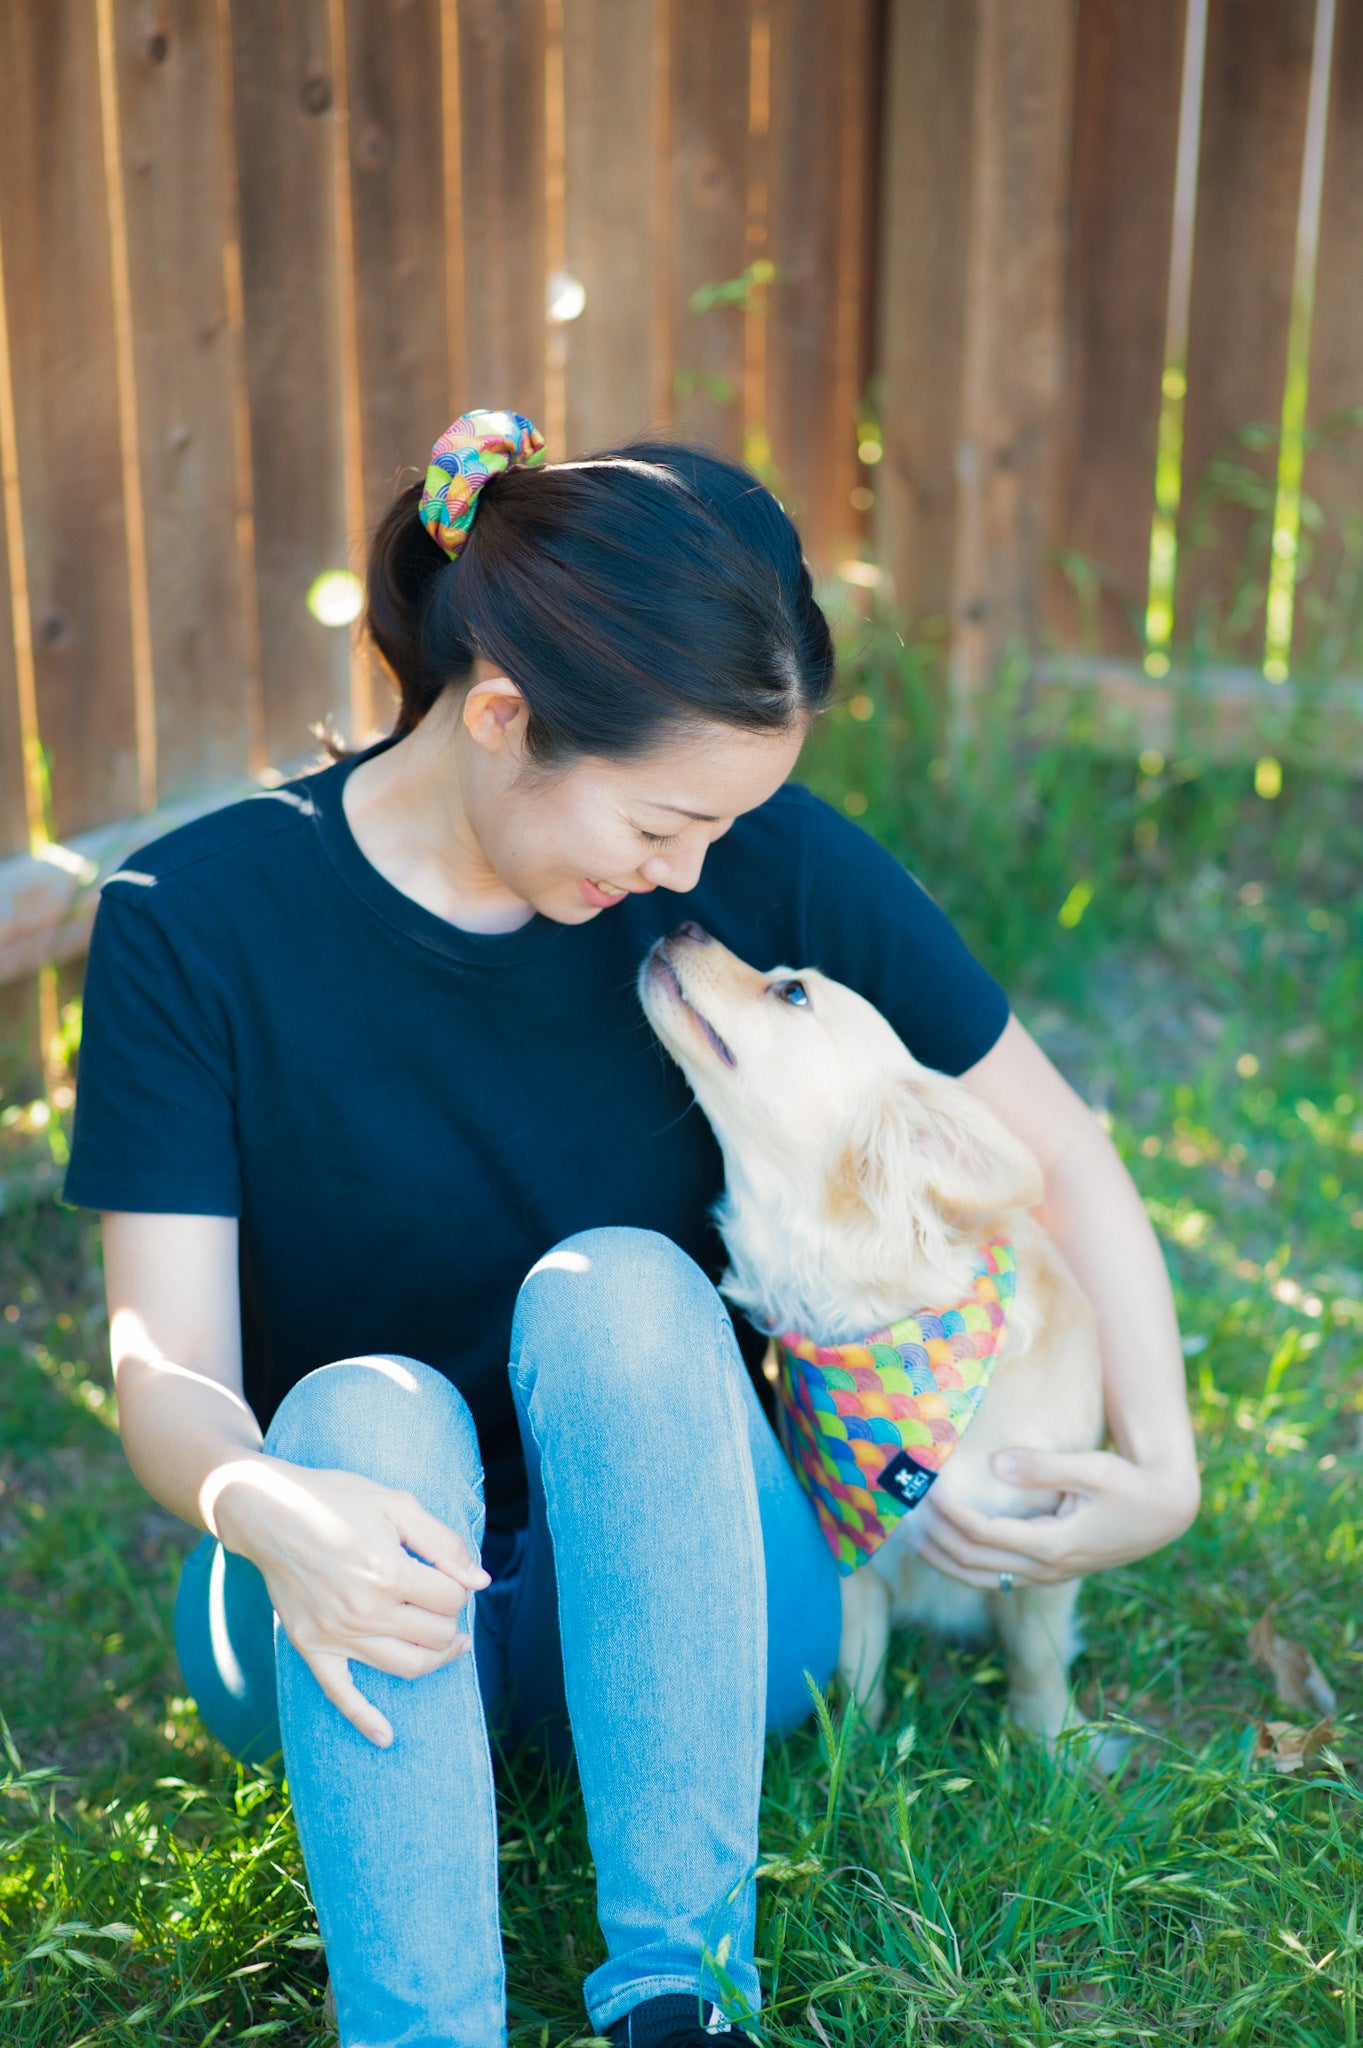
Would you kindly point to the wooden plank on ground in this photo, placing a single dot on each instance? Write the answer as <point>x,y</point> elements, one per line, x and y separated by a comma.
<point>610,248</point>
<point>1012,355</point>
<point>926,168</point>
<point>54,229</point>
<point>816,237</point>
<point>1126,105</point>
<point>1249,183</point>
<point>1220,714</point>
<point>284,95</point>
<point>47,900</point>
<point>501,69</point>
<point>1329,628</point>
<point>398,229</point>
<point>181,216</point>
<point>708,118</point>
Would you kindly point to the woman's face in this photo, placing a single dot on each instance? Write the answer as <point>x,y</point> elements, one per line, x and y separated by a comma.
<point>576,841</point>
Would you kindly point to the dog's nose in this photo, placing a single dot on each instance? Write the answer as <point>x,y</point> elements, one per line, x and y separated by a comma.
<point>696,933</point>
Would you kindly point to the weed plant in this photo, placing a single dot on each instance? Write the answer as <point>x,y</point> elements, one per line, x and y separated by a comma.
<point>1189,952</point>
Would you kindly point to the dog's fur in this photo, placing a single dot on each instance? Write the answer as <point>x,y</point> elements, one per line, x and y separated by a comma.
<point>859,1185</point>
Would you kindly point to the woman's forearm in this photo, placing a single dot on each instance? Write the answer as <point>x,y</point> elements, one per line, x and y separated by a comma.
<point>184,1434</point>
<point>1099,1222</point>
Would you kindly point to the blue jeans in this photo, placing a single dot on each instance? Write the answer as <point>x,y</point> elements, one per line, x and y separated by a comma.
<point>665,1602</point>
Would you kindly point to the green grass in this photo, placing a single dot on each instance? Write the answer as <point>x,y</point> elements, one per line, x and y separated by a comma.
<point>935,1883</point>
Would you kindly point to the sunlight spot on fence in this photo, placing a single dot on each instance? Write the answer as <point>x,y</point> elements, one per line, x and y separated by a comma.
<point>1159,608</point>
<point>336,597</point>
<point>866,575</point>
<point>1282,573</point>
<point>565,298</point>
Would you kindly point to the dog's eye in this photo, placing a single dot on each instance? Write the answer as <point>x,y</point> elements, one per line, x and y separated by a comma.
<point>792,992</point>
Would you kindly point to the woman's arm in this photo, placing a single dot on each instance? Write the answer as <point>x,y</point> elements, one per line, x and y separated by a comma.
<point>1117,1506</point>
<point>332,1546</point>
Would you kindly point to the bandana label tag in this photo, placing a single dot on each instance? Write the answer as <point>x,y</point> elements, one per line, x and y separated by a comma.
<point>904,1479</point>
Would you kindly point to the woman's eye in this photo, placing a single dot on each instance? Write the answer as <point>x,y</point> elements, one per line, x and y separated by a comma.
<point>659,838</point>
<point>793,992</point>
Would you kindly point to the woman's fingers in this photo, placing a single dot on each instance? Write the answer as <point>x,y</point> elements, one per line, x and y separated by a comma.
<point>1033,1537</point>
<point>332,1673</point>
<point>403,1659</point>
<point>437,1543</point>
<point>989,1558</point>
<point>423,1586</point>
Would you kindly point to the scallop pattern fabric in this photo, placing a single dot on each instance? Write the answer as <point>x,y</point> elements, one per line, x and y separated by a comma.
<point>869,1426</point>
<point>473,448</point>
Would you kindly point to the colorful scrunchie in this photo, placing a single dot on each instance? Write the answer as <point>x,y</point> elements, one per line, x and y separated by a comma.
<point>472,448</point>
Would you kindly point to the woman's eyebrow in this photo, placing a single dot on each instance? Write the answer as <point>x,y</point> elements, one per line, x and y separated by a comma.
<point>704,817</point>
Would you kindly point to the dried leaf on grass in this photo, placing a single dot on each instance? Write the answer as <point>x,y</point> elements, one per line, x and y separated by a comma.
<point>817,2025</point>
<point>1288,1748</point>
<point>1297,1678</point>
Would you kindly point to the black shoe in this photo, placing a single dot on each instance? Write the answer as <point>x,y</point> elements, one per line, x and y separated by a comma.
<point>675,2021</point>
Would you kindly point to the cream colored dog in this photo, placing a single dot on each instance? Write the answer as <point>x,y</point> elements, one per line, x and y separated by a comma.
<point>859,1185</point>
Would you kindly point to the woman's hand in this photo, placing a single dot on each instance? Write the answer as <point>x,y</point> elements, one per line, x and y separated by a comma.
<point>1110,1512</point>
<point>333,1549</point>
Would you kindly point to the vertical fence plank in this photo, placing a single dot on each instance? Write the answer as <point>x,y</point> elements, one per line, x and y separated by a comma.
<point>608,59</point>
<point>1329,626</point>
<point>924,214</point>
<point>1126,108</point>
<point>61,330</point>
<point>810,394</point>
<point>1249,179</point>
<point>180,213</point>
<point>284,97</point>
<point>708,62</point>
<point>501,68</point>
<point>1011,354</point>
<point>397,216</point>
<point>14,822</point>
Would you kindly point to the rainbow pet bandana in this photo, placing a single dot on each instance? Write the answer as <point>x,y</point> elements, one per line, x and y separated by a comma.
<point>869,1426</point>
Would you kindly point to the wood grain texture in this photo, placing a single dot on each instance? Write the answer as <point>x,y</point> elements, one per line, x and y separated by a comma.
<point>610,248</point>
<point>1012,359</point>
<point>708,111</point>
<point>180,213</point>
<point>393,53</point>
<point>1126,104</point>
<point>1328,629</point>
<point>926,168</point>
<point>501,66</point>
<point>14,824</point>
<point>60,313</point>
<point>810,395</point>
<point>284,95</point>
<point>1249,182</point>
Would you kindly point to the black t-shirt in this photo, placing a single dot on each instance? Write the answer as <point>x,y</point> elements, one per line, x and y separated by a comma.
<point>406,1115</point>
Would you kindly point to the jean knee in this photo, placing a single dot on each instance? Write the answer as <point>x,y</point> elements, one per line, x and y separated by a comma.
<point>633,1297</point>
<point>389,1419</point>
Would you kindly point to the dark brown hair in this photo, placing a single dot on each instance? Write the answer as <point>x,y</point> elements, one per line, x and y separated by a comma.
<point>627,595</point>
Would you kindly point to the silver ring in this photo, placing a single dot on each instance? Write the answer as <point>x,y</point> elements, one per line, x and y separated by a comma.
<point>1005,1582</point>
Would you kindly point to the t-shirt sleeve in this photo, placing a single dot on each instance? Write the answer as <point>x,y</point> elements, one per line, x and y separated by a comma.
<point>154,1128</point>
<point>871,924</point>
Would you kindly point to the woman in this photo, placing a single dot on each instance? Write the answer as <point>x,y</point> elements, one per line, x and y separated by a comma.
<point>369,1107</point>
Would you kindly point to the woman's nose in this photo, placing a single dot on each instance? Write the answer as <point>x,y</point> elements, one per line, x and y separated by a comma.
<point>679,870</point>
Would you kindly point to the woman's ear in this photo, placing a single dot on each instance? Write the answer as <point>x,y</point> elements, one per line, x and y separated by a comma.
<point>493,711</point>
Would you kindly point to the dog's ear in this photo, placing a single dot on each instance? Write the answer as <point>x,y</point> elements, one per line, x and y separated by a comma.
<point>973,1165</point>
<point>930,1141</point>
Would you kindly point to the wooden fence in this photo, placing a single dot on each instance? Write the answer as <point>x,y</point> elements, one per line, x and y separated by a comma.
<point>1004,286</point>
